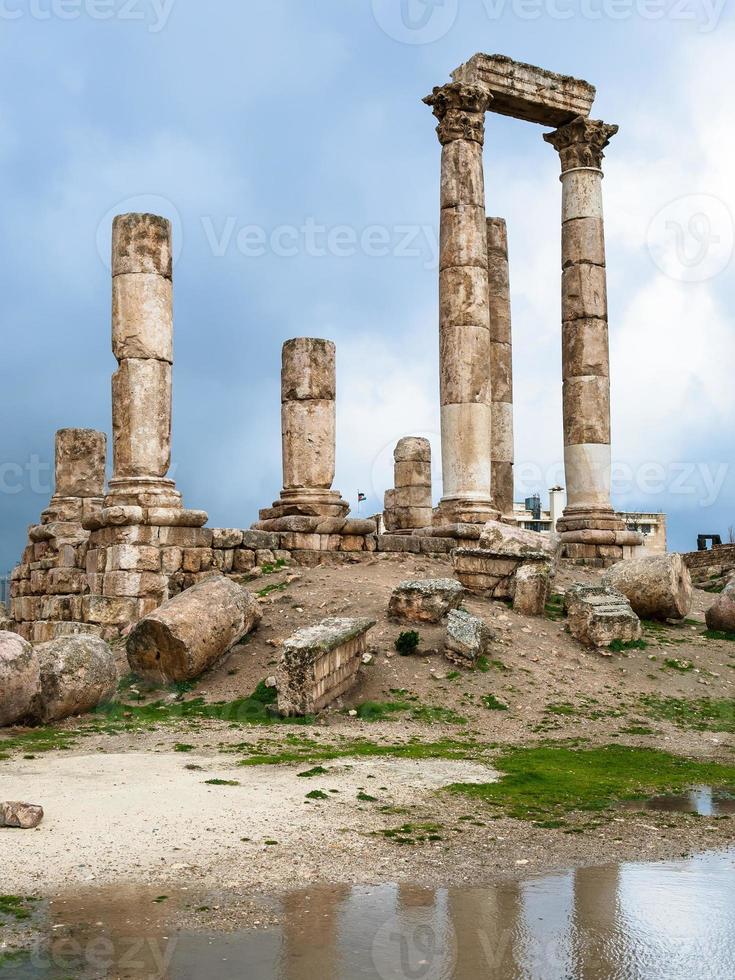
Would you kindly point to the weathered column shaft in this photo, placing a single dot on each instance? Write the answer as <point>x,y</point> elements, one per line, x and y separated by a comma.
<point>80,459</point>
<point>585,357</point>
<point>308,431</point>
<point>464,334</point>
<point>142,342</point>
<point>501,365</point>
<point>589,523</point>
<point>308,413</point>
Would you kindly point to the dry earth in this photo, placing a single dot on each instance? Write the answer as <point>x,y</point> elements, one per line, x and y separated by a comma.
<point>131,808</point>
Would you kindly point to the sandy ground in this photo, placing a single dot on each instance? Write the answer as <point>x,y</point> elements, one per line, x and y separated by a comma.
<point>127,808</point>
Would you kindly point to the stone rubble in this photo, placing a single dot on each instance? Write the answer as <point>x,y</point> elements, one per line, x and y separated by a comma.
<point>721,614</point>
<point>20,679</point>
<point>425,600</point>
<point>468,638</point>
<point>22,816</point>
<point>598,615</point>
<point>77,674</point>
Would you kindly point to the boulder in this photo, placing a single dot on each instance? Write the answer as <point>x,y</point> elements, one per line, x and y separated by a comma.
<point>189,633</point>
<point>532,588</point>
<point>468,638</point>
<point>659,587</point>
<point>511,540</point>
<point>320,663</point>
<point>598,615</point>
<point>721,615</point>
<point>77,673</point>
<point>20,678</point>
<point>425,600</point>
<point>24,816</point>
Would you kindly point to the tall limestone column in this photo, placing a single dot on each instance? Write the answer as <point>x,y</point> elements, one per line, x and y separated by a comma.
<point>589,528</point>
<point>501,365</point>
<point>142,342</point>
<point>464,333</point>
<point>308,431</point>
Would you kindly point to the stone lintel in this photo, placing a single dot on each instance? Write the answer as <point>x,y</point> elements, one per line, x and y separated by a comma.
<point>526,92</point>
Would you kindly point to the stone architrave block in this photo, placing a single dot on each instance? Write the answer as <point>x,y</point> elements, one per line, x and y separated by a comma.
<point>320,663</point>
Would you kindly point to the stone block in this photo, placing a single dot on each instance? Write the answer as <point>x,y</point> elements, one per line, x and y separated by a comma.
<point>135,585</point>
<point>464,355</point>
<point>583,240</point>
<point>80,458</point>
<point>586,411</point>
<point>584,292</point>
<point>425,600</point>
<point>109,610</point>
<point>585,348</point>
<point>463,297</point>
<point>20,678</point>
<point>142,317</point>
<point>141,243</point>
<point>467,639</point>
<point>308,369</point>
<point>399,543</point>
<point>532,588</point>
<point>463,237</point>
<point>133,558</point>
<point>309,431</point>
<point>461,174</point>
<point>260,539</point>
<point>185,537</point>
<point>171,560</point>
<point>243,560</point>
<point>658,587</point>
<point>223,537</point>
<point>320,663</point>
<point>66,608</point>
<point>63,581</point>
<point>598,614</point>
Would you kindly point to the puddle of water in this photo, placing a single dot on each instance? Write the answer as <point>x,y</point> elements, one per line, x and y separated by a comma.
<point>702,800</point>
<point>643,921</point>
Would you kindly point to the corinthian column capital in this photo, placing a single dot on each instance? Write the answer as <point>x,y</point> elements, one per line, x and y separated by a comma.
<point>460,109</point>
<point>581,142</point>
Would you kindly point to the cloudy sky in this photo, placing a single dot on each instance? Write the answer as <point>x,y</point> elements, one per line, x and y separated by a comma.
<point>287,141</point>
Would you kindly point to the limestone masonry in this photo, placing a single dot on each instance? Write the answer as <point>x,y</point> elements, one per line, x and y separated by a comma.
<point>104,558</point>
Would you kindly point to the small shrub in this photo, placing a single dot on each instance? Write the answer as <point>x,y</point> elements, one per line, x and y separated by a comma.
<point>407,643</point>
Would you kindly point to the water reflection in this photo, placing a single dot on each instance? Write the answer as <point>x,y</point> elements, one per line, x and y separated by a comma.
<point>702,800</point>
<point>670,919</point>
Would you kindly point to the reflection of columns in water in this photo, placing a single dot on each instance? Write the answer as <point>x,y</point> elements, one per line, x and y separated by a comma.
<point>486,924</point>
<point>311,933</point>
<point>597,922</point>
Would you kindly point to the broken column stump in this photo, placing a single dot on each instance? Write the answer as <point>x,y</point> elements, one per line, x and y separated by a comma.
<point>320,663</point>
<point>189,633</point>
<point>598,615</point>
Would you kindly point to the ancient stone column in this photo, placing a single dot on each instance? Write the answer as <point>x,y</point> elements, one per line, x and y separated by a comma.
<point>80,459</point>
<point>408,505</point>
<point>308,431</point>
<point>142,342</point>
<point>589,527</point>
<point>464,333</point>
<point>501,365</point>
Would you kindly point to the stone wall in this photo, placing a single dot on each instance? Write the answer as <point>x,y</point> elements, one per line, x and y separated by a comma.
<point>712,566</point>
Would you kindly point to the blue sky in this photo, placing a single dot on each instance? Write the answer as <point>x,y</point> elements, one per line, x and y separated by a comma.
<point>287,141</point>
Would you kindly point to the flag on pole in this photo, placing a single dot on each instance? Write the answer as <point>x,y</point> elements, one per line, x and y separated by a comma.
<point>360,497</point>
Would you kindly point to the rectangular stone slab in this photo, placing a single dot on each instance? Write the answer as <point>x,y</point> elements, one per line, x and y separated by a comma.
<point>526,92</point>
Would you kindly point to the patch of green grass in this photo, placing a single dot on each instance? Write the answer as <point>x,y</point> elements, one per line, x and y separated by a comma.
<point>491,702</point>
<point>316,771</point>
<point>412,833</point>
<point>637,730</point>
<point>384,710</point>
<point>719,635</point>
<point>264,694</point>
<point>221,782</point>
<point>555,608</point>
<point>547,781</point>
<point>407,643</point>
<point>366,797</point>
<point>453,675</point>
<point>273,587</point>
<point>701,714</point>
<point>271,568</point>
<point>183,747</point>
<point>484,665</point>
<point>317,794</point>
<point>363,748</point>
<point>681,665</point>
<point>160,899</point>
<point>16,907</point>
<point>618,646</point>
